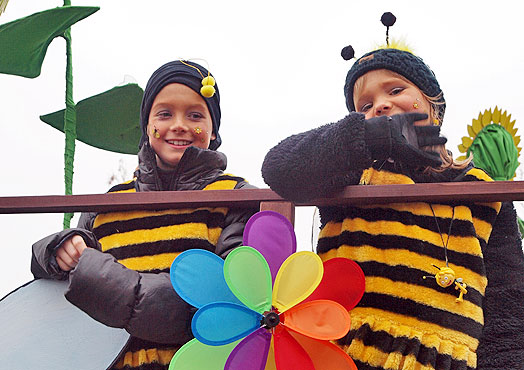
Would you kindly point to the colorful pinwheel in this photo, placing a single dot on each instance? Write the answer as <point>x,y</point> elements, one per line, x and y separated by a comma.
<point>265,306</point>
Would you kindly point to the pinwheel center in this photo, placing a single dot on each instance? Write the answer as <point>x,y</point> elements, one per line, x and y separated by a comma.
<point>270,320</point>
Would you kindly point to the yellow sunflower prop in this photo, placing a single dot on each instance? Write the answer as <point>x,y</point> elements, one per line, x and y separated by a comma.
<point>494,143</point>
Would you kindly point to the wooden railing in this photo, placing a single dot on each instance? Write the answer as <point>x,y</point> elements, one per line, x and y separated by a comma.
<point>264,199</point>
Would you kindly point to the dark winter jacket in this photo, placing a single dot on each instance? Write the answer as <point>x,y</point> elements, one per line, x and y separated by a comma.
<point>404,320</point>
<point>123,279</point>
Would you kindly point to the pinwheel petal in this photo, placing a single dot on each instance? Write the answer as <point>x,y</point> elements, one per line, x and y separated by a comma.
<point>198,277</point>
<point>321,319</point>
<point>271,234</point>
<point>251,353</point>
<point>195,355</point>
<point>247,275</point>
<point>297,278</point>
<point>220,323</point>
<point>325,355</point>
<point>343,282</point>
<point>270,363</point>
<point>289,354</point>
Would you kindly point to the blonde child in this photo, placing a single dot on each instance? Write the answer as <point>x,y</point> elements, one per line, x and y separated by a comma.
<point>444,285</point>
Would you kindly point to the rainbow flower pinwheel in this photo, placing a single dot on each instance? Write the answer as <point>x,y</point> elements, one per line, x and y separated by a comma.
<point>265,306</point>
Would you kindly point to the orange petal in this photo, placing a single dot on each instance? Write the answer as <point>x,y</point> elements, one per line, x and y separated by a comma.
<point>321,319</point>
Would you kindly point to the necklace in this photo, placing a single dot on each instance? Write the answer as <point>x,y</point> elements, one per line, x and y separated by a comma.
<point>445,277</point>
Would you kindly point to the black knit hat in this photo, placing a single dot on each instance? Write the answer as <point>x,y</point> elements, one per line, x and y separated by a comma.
<point>402,62</point>
<point>178,72</point>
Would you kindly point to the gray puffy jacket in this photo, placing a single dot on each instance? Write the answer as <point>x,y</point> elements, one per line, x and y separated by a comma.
<point>145,304</point>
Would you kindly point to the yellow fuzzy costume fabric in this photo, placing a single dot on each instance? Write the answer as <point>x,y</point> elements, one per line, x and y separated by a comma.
<point>405,320</point>
<point>149,241</point>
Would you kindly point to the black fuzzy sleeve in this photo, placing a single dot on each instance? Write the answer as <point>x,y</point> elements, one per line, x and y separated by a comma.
<point>502,343</point>
<point>318,162</point>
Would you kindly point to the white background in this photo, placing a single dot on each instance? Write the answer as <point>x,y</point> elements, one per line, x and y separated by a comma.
<point>279,70</point>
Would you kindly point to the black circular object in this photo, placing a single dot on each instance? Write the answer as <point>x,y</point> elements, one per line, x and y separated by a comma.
<point>270,320</point>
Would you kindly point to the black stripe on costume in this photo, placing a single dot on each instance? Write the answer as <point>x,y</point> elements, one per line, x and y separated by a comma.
<point>159,247</point>
<point>414,276</point>
<point>459,228</point>
<point>386,242</point>
<point>121,187</point>
<point>136,344</point>
<point>212,219</point>
<point>150,366</point>
<point>225,178</point>
<point>427,356</point>
<point>423,312</point>
<point>483,212</point>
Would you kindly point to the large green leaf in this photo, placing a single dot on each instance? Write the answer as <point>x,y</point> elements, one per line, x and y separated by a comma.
<point>24,42</point>
<point>109,121</point>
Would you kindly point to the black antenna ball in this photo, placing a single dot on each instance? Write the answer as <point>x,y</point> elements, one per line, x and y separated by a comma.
<point>347,52</point>
<point>388,19</point>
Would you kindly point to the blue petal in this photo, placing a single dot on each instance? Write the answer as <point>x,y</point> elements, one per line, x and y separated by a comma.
<point>220,323</point>
<point>198,277</point>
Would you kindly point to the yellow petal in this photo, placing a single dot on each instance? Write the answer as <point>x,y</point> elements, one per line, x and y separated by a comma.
<point>516,140</point>
<point>461,158</point>
<point>486,118</point>
<point>467,141</point>
<point>462,148</point>
<point>496,115</point>
<point>471,133</point>
<point>504,119</point>
<point>477,127</point>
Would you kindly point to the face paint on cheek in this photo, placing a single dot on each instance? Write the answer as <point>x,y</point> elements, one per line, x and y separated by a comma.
<point>199,131</point>
<point>156,134</point>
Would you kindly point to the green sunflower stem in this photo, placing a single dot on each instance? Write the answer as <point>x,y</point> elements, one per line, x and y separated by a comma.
<point>69,124</point>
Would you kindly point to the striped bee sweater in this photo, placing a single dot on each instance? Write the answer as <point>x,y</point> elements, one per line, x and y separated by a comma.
<point>405,320</point>
<point>122,279</point>
<point>148,242</point>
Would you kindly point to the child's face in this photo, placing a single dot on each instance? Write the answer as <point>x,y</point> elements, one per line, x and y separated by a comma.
<point>179,118</point>
<point>382,92</point>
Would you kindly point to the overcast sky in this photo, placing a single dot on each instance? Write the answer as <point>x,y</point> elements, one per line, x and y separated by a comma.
<point>279,70</point>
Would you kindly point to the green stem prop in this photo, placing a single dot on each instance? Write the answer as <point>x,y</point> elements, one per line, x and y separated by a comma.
<point>69,123</point>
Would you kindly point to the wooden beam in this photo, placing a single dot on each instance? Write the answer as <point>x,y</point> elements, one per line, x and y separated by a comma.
<point>286,209</point>
<point>252,198</point>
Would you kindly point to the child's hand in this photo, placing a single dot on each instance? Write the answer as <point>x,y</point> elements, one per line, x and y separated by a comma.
<point>429,136</point>
<point>385,139</point>
<point>69,253</point>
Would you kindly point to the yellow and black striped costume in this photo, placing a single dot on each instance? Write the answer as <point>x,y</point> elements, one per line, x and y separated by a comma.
<point>406,321</point>
<point>148,242</point>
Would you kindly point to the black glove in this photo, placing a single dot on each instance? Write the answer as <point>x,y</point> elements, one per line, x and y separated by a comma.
<point>385,139</point>
<point>429,136</point>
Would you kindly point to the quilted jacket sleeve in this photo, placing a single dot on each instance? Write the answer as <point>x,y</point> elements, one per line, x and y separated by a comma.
<point>502,343</point>
<point>145,304</point>
<point>43,261</point>
<point>318,162</point>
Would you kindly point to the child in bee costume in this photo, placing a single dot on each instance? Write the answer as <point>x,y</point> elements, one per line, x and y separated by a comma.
<point>118,263</point>
<point>444,286</point>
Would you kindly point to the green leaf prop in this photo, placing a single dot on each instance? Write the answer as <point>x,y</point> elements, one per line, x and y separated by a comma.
<point>108,121</point>
<point>24,42</point>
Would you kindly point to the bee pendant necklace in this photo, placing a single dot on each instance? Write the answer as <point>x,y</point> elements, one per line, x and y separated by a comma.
<point>445,277</point>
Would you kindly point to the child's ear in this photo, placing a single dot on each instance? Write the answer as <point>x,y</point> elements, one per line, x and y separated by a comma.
<point>213,136</point>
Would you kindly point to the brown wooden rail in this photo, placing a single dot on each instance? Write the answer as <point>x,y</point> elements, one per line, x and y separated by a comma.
<point>264,199</point>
